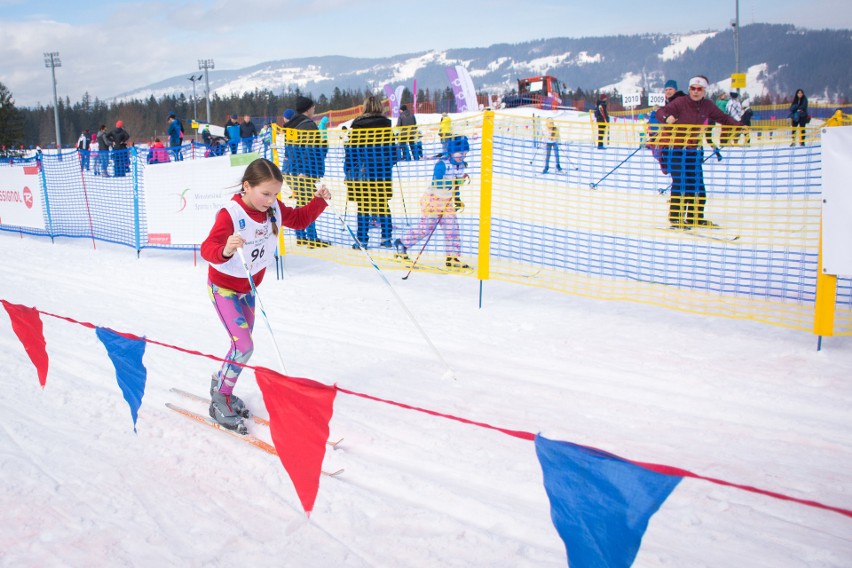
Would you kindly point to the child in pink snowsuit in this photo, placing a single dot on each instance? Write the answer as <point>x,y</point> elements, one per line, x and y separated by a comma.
<point>439,204</point>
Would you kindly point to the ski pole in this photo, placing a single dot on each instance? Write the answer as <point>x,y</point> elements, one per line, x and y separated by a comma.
<point>449,373</point>
<point>402,194</point>
<point>262,311</point>
<point>429,236</point>
<point>609,173</point>
<point>568,158</point>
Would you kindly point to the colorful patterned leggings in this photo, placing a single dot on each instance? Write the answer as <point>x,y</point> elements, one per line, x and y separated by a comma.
<point>437,210</point>
<point>236,311</point>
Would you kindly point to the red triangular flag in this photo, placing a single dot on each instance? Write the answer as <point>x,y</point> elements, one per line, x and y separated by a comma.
<point>28,327</point>
<point>299,413</point>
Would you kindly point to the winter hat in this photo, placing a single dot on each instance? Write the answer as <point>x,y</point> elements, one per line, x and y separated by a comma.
<point>289,113</point>
<point>734,95</point>
<point>94,136</point>
<point>671,84</point>
<point>119,124</point>
<point>233,117</point>
<point>303,104</point>
<point>458,144</point>
<point>171,114</point>
<point>403,108</point>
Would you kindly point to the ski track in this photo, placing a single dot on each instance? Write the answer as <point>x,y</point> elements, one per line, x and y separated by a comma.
<point>745,402</point>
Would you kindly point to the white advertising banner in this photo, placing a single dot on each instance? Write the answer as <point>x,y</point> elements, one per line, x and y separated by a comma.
<point>182,198</point>
<point>21,197</point>
<point>837,200</point>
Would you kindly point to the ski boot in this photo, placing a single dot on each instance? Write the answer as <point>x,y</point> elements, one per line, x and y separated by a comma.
<point>454,262</point>
<point>401,251</point>
<point>222,411</point>
<point>236,403</point>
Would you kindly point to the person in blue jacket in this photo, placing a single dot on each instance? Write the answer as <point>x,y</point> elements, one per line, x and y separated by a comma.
<point>371,155</point>
<point>305,153</point>
<point>175,133</point>
<point>440,204</point>
<point>232,133</point>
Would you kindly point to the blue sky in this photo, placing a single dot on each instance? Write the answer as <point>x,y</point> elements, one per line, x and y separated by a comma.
<point>110,47</point>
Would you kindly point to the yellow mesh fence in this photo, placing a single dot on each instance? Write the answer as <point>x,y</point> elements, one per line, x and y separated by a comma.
<point>714,221</point>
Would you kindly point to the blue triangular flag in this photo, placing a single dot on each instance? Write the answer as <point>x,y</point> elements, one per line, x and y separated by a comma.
<point>126,355</point>
<point>599,503</point>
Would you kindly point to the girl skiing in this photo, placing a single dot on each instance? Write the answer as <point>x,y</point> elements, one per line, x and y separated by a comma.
<point>440,203</point>
<point>250,221</point>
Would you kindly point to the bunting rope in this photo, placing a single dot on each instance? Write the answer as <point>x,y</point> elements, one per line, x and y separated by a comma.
<point>658,468</point>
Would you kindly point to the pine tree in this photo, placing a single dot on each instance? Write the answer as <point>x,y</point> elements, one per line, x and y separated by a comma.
<point>11,123</point>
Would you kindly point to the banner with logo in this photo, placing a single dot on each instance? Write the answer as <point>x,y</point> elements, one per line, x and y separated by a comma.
<point>182,198</point>
<point>463,89</point>
<point>21,198</point>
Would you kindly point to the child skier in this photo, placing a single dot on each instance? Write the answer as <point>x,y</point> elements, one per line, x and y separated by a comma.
<point>249,221</point>
<point>439,204</point>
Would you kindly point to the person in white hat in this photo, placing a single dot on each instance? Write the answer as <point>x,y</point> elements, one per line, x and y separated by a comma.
<point>684,155</point>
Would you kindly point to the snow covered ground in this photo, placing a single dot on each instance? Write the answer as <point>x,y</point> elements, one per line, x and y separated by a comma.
<point>743,402</point>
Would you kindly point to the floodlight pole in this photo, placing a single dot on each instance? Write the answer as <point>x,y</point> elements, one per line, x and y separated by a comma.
<point>206,65</point>
<point>51,59</point>
<point>194,98</point>
<point>736,25</point>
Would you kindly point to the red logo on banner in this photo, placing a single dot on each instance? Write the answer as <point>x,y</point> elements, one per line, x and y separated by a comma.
<point>159,238</point>
<point>28,197</point>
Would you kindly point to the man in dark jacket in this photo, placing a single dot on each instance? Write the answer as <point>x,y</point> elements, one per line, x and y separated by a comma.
<point>683,152</point>
<point>602,117</point>
<point>409,137</point>
<point>305,150</point>
<point>248,132</point>
<point>118,139</point>
<point>103,150</point>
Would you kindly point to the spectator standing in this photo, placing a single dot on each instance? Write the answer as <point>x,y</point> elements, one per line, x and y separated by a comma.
<point>671,91</point>
<point>119,138</point>
<point>799,117</point>
<point>734,109</point>
<point>83,149</point>
<point>445,133</point>
<point>103,150</point>
<point>552,145</point>
<point>372,155</point>
<point>175,132</point>
<point>94,147</point>
<point>232,133</point>
<point>305,152</point>
<point>602,118</point>
<point>266,138</point>
<point>684,155</point>
<point>248,132</point>
<point>409,136</point>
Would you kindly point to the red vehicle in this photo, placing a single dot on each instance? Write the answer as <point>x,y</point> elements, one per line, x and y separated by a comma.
<point>544,91</point>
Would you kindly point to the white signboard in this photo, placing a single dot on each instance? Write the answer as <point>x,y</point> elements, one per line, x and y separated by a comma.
<point>21,197</point>
<point>837,200</point>
<point>656,99</point>
<point>182,198</point>
<point>631,100</point>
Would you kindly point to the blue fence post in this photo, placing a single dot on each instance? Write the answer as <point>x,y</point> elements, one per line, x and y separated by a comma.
<point>134,161</point>
<point>40,163</point>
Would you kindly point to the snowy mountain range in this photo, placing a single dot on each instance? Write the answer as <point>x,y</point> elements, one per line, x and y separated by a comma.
<point>778,59</point>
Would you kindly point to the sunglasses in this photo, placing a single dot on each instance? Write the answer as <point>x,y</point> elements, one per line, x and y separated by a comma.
<point>696,88</point>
